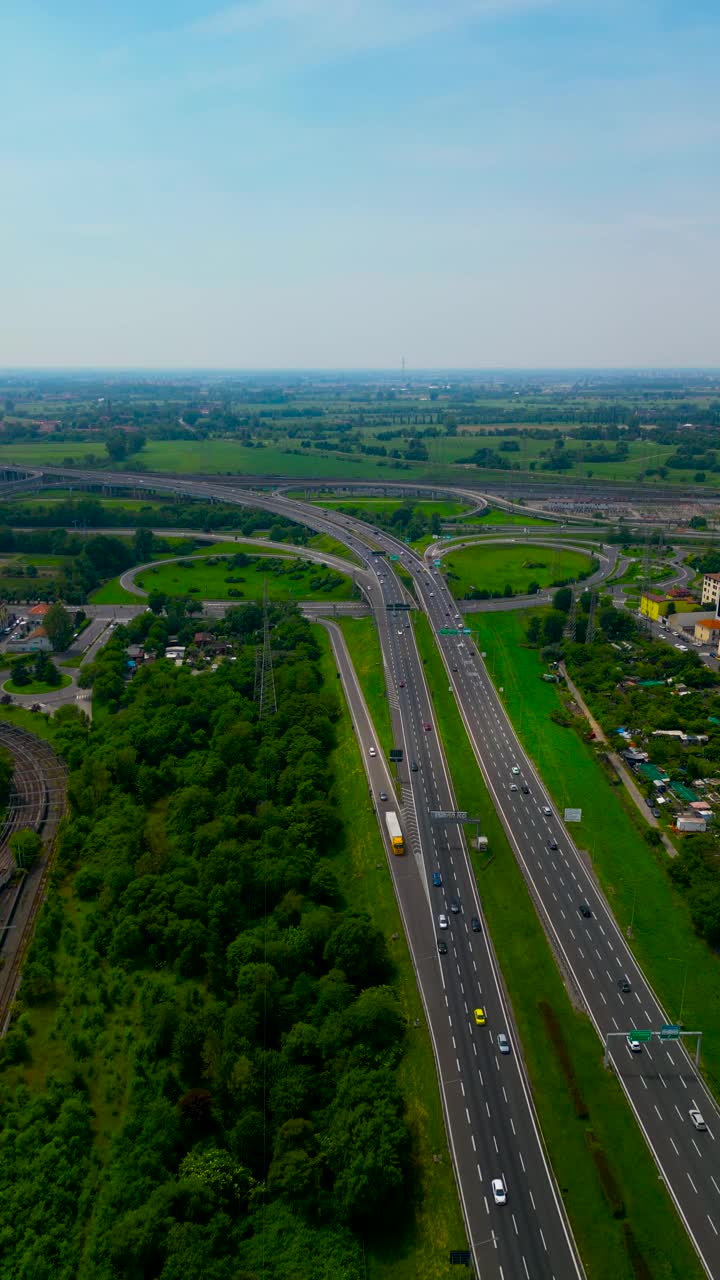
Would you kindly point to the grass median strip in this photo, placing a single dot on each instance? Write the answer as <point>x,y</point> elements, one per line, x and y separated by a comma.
<point>419,1249</point>
<point>660,1247</point>
<point>362,640</point>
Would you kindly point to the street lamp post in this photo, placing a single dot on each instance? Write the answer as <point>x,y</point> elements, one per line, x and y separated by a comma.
<point>686,962</point>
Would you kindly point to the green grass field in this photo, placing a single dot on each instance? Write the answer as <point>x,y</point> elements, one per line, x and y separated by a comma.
<point>362,641</point>
<point>283,457</point>
<point>495,516</point>
<point>36,686</point>
<point>531,974</point>
<point>632,875</point>
<point>297,580</point>
<point>420,1248</point>
<point>490,568</point>
<point>386,506</point>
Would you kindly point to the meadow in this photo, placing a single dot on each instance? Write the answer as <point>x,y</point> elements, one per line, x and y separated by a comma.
<point>492,568</point>
<point>282,455</point>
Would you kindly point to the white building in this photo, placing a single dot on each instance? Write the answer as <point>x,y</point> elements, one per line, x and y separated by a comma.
<point>710,589</point>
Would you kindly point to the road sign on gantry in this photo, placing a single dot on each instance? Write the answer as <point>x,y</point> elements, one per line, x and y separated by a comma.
<point>670,1031</point>
<point>640,1035</point>
<point>396,755</point>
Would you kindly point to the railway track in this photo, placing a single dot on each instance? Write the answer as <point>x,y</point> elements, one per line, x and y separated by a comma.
<point>37,801</point>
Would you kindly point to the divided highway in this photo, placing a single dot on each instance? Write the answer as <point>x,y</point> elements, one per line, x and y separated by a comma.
<point>490,1116</point>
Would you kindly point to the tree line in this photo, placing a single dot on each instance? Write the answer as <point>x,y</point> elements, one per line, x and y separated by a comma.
<point>219,1092</point>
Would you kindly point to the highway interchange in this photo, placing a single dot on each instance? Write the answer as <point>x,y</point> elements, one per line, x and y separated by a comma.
<point>490,1118</point>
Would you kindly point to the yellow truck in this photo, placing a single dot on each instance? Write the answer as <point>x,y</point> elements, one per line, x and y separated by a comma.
<point>396,835</point>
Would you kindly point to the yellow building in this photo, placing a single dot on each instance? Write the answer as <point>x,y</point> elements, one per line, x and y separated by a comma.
<point>707,629</point>
<point>652,606</point>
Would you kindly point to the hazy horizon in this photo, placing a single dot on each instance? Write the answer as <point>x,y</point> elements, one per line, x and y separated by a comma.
<point>299,184</point>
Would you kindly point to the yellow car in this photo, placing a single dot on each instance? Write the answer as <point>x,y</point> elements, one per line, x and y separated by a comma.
<point>480,1018</point>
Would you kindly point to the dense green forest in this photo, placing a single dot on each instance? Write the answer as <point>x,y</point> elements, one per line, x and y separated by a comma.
<point>201,1075</point>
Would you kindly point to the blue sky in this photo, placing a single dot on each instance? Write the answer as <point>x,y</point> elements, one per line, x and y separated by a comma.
<point>298,183</point>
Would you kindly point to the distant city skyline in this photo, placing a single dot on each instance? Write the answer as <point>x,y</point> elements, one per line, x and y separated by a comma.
<point>288,185</point>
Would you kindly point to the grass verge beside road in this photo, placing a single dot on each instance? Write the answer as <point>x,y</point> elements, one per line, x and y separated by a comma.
<point>362,641</point>
<point>420,1248</point>
<point>492,568</point>
<point>633,875</point>
<point>534,984</point>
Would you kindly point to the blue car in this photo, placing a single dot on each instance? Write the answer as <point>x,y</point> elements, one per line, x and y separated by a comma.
<point>437,879</point>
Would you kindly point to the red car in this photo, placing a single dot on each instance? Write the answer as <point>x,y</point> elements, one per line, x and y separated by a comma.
<point>427,726</point>
<point>402,684</point>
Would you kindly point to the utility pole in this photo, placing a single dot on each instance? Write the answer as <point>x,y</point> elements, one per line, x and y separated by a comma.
<point>264,678</point>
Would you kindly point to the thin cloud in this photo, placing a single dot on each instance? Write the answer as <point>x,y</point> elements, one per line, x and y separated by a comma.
<point>358,24</point>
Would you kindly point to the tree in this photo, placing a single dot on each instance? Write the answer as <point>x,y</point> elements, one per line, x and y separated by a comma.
<point>116,445</point>
<point>562,599</point>
<point>58,626</point>
<point>20,674</point>
<point>7,767</point>
<point>533,631</point>
<point>553,626</point>
<point>26,847</point>
<point>45,671</point>
<point>143,545</point>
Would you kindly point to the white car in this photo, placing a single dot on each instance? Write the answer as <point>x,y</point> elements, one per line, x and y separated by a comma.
<point>516,769</point>
<point>682,647</point>
<point>513,786</point>
<point>547,810</point>
<point>503,1043</point>
<point>372,751</point>
<point>697,1120</point>
<point>498,1190</point>
<point>443,922</point>
<point>634,1045</point>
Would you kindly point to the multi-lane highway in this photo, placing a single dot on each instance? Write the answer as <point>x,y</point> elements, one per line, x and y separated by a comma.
<point>529,1234</point>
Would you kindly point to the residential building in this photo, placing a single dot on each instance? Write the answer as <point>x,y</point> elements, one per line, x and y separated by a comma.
<point>37,641</point>
<point>707,629</point>
<point>710,589</point>
<point>653,606</point>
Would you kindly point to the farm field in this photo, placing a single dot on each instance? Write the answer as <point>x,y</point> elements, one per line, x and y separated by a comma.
<point>491,568</point>
<point>631,873</point>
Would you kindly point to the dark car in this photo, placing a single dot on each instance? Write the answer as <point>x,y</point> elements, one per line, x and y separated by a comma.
<point>624,985</point>
<point>454,906</point>
<point>414,766</point>
<point>437,879</point>
<point>552,843</point>
<point>525,789</point>
<point>475,925</point>
<point>442,946</point>
<point>584,910</point>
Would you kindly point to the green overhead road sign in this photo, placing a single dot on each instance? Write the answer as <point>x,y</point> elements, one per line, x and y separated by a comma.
<point>394,557</point>
<point>448,631</point>
<point>670,1032</point>
<point>640,1035</point>
<point>466,631</point>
